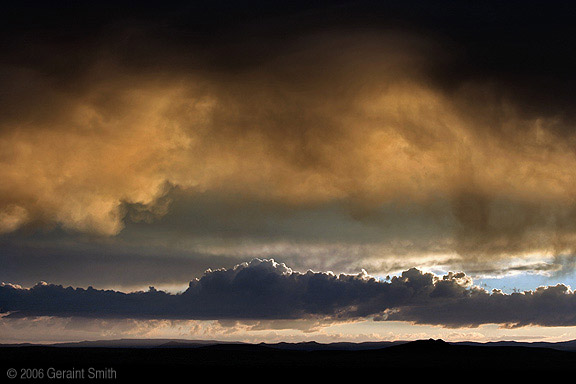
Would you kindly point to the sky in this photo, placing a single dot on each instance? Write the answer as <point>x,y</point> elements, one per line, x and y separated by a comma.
<point>286,171</point>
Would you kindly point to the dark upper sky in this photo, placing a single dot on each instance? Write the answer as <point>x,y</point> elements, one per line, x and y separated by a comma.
<point>513,42</point>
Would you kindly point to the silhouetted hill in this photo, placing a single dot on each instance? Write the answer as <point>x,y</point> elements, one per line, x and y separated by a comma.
<point>431,345</point>
<point>237,348</point>
<point>341,346</point>
<point>561,345</point>
<point>192,344</point>
<point>131,343</point>
<point>300,346</point>
<point>236,360</point>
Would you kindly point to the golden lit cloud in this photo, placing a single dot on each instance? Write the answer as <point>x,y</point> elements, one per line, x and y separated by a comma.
<point>347,118</point>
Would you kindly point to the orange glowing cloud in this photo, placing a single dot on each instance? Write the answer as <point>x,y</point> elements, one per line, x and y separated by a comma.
<point>353,119</point>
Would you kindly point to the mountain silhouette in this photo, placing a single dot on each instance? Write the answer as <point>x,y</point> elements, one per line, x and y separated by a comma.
<point>176,357</point>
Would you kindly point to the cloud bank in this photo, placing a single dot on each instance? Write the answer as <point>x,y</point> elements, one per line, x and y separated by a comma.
<point>266,290</point>
<point>106,115</point>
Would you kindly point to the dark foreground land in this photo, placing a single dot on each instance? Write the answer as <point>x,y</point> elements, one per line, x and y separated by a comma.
<point>235,360</point>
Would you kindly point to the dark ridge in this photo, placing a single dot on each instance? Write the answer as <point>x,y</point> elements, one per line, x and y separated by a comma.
<point>303,346</point>
<point>123,343</point>
<point>569,345</point>
<point>561,345</point>
<point>177,344</point>
<point>236,348</point>
<point>338,346</point>
<point>423,345</point>
<point>237,360</point>
<point>120,343</point>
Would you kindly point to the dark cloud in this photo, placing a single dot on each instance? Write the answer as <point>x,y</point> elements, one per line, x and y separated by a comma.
<point>105,106</point>
<point>266,290</point>
<point>545,306</point>
<point>255,290</point>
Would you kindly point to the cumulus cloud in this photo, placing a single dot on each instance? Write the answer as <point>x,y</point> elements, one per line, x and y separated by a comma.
<point>266,290</point>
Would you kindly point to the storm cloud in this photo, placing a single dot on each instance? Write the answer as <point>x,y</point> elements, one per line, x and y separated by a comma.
<point>266,290</point>
<point>106,110</point>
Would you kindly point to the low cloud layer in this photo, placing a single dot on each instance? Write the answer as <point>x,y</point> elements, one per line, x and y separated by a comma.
<point>266,290</point>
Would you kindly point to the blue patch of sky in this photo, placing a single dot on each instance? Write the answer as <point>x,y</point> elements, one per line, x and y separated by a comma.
<point>526,281</point>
